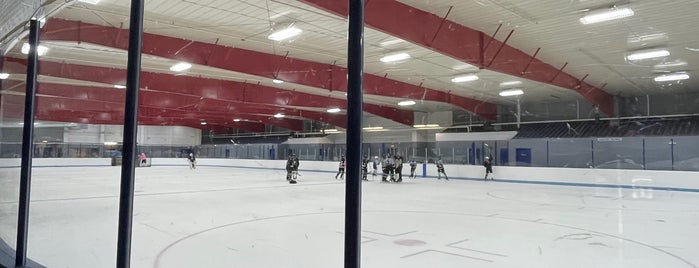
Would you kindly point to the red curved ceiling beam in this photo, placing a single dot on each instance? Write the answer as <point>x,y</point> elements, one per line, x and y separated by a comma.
<point>298,71</point>
<point>449,38</point>
<point>209,88</point>
<point>106,106</point>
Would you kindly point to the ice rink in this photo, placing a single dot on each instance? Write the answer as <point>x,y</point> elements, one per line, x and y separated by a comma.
<point>218,216</point>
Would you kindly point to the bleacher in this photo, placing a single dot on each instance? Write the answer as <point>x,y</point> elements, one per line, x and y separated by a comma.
<point>687,126</point>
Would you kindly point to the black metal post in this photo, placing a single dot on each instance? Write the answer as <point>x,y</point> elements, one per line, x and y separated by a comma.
<point>126,193</point>
<point>25,175</point>
<point>353,191</point>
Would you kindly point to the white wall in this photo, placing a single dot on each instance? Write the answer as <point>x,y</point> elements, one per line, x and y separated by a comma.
<point>147,135</point>
<point>640,178</point>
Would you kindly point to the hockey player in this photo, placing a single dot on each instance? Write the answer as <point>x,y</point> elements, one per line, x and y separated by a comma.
<point>341,168</point>
<point>192,161</point>
<point>292,166</point>
<point>375,165</point>
<point>440,169</point>
<point>488,164</point>
<point>413,165</point>
<point>399,167</point>
<point>365,168</point>
<point>388,166</point>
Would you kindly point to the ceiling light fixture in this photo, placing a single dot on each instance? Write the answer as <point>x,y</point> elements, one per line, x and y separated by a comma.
<point>465,78</point>
<point>406,103</point>
<point>671,77</point>
<point>180,67</point>
<point>41,51</point>
<point>333,110</point>
<point>373,128</point>
<point>277,81</point>
<point>510,83</point>
<point>285,33</point>
<point>203,123</point>
<point>648,54</point>
<point>279,115</point>
<point>110,143</point>
<point>395,57</point>
<point>94,2</point>
<point>426,126</point>
<point>4,75</point>
<point>676,63</point>
<point>391,42</point>
<point>332,130</point>
<point>511,92</point>
<point>119,86</point>
<point>237,120</point>
<point>606,15</point>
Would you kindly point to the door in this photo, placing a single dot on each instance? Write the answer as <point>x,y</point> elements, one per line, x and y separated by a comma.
<point>524,157</point>
<point>504,156</point>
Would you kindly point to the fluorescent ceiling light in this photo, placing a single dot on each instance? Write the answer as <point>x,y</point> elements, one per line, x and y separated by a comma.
<point>671,77</point>
<point>607,15</point>
<point>648,54</point>
<point>391,42</point>
<point>237,120</point>
<point>465,78</point>
<point>119,86</point>
<point>4,75</point>
<point>94,2</point>
<point>331,130</point>
<point>279,115</point>
<point>180,67</point>
<point>510,83</point>
<point>373,128</point>
<point>277,81</point>
<point>395,57</point>
<point>427,126</point>
<point>110,143</point>
<point>203,123</point>
<point>45,141</point>
<point>285,33</point>
<point>41,51</point>
<point>406,103</point>
<point>333,110</point>
<point>677,63</point>
<point>511,92</point>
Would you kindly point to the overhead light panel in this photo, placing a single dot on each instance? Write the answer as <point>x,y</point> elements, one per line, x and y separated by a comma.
<point>406,103</point>
<point>285,33</point>
<point>389,43</point>
<point>511,92</point>
<point>373,128</point>
<point>607,15</point>
<point>119,86</point>
<point>94,2</point>
<point>332,130</point>
<point>237,120</point>
<point>41,51</point>
<point>110,143</point>
<point>279,115</point>
<point>277,81</point>
<point>510,83</point>
<point>395,57</point>
<point>648,54</point>
<point>333,110</point>
<point>427,126</point>
<point>671,77</point>
<point>203,123</point>
<point>676,63</point>
<point>465,78</point>
<point>180,67</point>
<point>4,75</point>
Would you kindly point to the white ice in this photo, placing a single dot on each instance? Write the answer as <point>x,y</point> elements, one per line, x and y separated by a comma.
<point>245,217</point>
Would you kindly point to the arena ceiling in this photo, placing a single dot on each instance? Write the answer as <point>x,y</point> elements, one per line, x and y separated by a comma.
<point>538,46</point>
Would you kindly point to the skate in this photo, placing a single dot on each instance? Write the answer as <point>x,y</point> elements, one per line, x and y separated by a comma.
<point>292,181</point>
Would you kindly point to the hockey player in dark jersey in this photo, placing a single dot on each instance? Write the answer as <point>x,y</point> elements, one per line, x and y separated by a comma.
<point>399,167</point>
<point>388,166</point>
<point>365,168</point>
<point>413,165</point>
<point>292,168</point>
<point>440,169</point>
